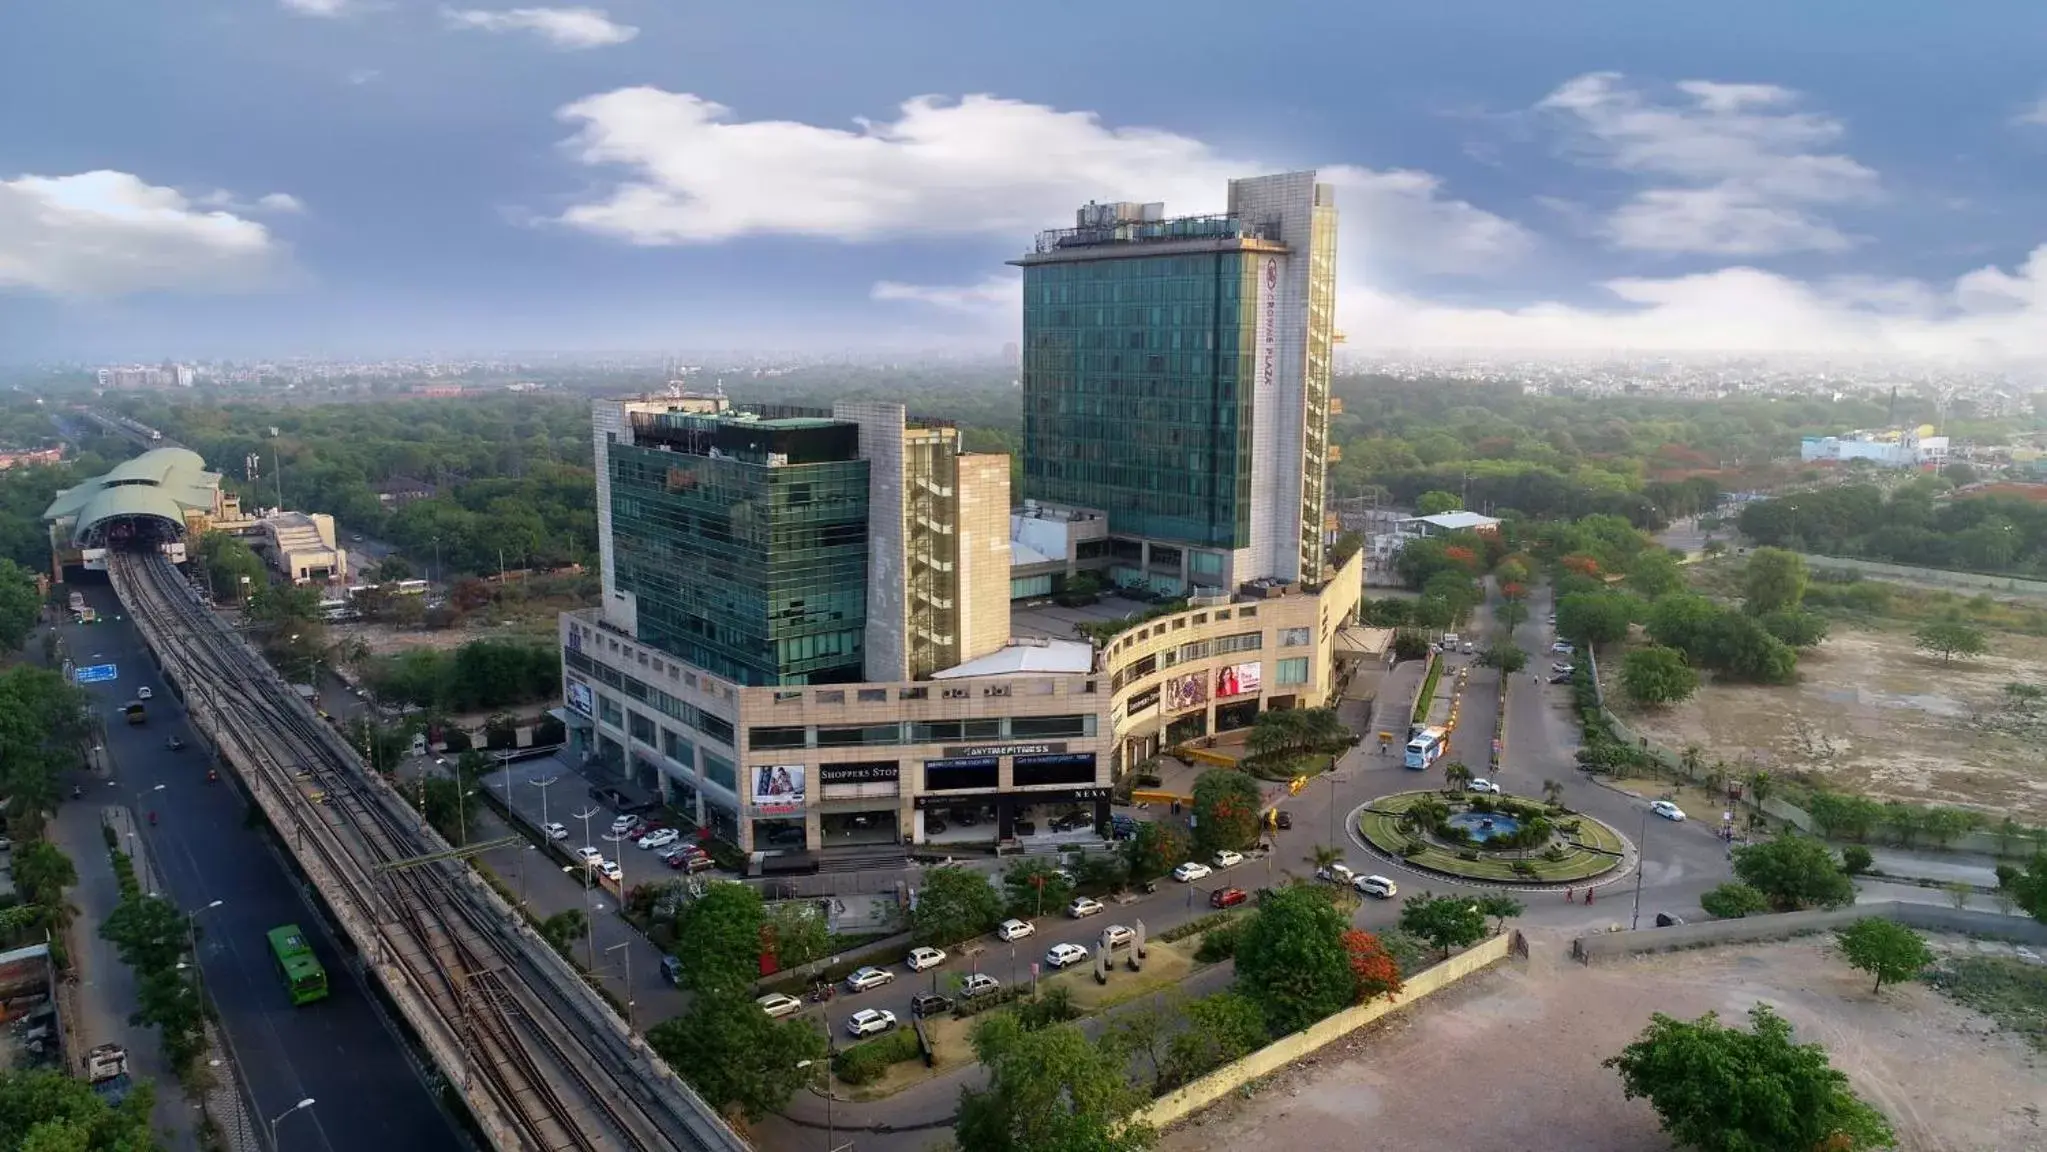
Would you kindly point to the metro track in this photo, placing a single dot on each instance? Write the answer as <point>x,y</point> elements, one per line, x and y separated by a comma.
<point>541,1060</point>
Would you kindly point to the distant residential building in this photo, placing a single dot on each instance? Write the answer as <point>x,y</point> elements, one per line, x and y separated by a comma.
<point>440,391</point>
<point>22,457</point>
<point>1916,448</point>
<point>1444,523</point>
<point>302,546</point>
<point>399,491</point>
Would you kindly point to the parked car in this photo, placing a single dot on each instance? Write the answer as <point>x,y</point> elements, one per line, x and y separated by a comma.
<point>861,979</point>
<point>554,831</point>
<point>1561,678</point>
<point>621,824</point>
<point>869,1021</point>
<point>660,838</point>
<point>691,863</point>
<point>1336,874</point>
<point>591,857</point>
<point>1562,648</point>
<point>928,1004</point>
<point>670,852</point>
<point>1119,935</point>
<point>1465,647</point>
<point>1227,897</point>
<point>1070,822</point>
<point>612,872</point>
<point>1016,929</point>
<point>1062,955</point>
<point>1191,871</point>
<point>922,958</point>
<point>1083,906</point>
<point>1562,668</point>
<point>1667,810</point>
<point>1481,784</point>
<point>1283,819</point>
<point>979,984</point>
<point>779,1004</point>
<point>1224,858</point>
<point>933,824</point>
<point>1378,886</point>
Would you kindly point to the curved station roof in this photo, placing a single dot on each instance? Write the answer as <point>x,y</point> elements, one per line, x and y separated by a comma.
<point>164,483</point>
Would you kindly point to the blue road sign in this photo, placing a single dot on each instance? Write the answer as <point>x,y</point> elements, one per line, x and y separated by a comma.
<point>97,674</point>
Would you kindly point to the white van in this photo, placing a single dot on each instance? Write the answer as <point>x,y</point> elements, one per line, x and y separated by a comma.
<point>419,743</point>
<point>1449,642</point>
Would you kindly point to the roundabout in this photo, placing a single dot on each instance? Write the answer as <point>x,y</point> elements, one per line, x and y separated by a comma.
<point>1490,839</point>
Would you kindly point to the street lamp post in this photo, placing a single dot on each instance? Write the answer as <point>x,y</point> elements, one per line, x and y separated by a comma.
<point>279,1118</point>
<point>625,949</point>
<point>830,1135</point>
<point>1641,862</point>
<point>543,785</point>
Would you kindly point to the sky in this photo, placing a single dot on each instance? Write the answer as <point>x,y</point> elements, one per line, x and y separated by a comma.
<point>360,178</point>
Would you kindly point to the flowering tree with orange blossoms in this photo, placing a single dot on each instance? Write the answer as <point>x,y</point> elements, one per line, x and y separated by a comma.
<point>1461,556</point>
<point>1581,564</point>
<point>1376,971</point>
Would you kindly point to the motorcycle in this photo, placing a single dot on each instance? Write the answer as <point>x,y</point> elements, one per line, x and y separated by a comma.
<point>211,775</point>
<point>77,792</point>
<point>822,992</point>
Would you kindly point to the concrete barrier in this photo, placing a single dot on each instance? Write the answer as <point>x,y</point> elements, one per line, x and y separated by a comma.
<point>1182,1102</point>
<point>1783,926</point>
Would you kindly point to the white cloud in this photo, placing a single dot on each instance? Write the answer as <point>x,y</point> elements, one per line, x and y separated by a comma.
<point>1741,170</point>
<point>569,29</point>
<point>325,9</point>
<point>995,294</point>
<point>2034,114</point>
<point>978,166</point>
<point>357,77</point>
<point>274,202</point>
<point>281,202</point>
<point>107,233</point>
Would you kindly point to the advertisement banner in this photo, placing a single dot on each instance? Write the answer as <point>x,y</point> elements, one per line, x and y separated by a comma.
<point>1238,679</point>
<point>580,699</point>
<point>778,789</point>
<point>1184,692</point>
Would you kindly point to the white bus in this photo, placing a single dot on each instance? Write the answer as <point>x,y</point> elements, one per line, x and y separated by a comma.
<point>1426,747</point>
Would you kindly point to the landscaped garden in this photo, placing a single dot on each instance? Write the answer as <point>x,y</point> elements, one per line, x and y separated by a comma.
<point>1501,839</point>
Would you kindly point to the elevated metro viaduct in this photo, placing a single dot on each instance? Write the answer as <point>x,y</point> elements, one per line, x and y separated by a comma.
<point>164,497</point>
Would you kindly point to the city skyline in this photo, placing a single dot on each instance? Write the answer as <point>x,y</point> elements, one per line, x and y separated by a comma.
<point>318,177</point>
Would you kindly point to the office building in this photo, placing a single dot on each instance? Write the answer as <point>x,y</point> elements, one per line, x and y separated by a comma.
<point>1176,374</point>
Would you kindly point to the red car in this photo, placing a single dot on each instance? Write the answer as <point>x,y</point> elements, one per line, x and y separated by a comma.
<point>1227,897</point>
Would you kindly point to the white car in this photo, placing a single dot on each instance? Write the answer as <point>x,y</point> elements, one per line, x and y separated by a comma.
<point>591,857</point>
<point>660,838</point>
<point>145,693</point>
<point>620,824</point>
<point>554,831</point>
<point>870,1020</point>
<point>1667,810</point>
<point>1562,648</point>
<point>1562,669</point>
<point>979,984</point>
<point>1191,871</point>
<point>1378,886</point>
<point>1336,874</point>
<point>1118,935</point>
<point>1083,906</point>
<point>1225,858</point>
<point>779,1004</point>
<point>1062,955</point>
<point>861,979</point>
<point>1016,929</point>
<point>1481,784</point>
<point>612,872</point>
<point>922,958</point>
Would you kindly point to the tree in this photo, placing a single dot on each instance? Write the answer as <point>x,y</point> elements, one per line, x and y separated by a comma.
<point>1147,1031</point>
<point>1154,850</point>
<point>1502,908</point>
<point>1681,620</point>
<point>1595,618</point>
<point>1031,886</point>
<point>1447,922</point>
<point>954,904</point>
<point>1798,629</point>
<point>718,941</point>
<point>1950,638</point>
<point>51,1112</point>
<point>1437,503</point>
<point>1291,958</point>
<point>740,1061</point>
<point>799,934</point>
<point>1722,1089</point>
<point>1654,572</point>
<point>1774,581</point>
<point>20,606</point>
<point>1221,1027</point>
<point>1855,860</point>
<point>1733,901</point>
<point>1409,644</point>
<point>1655,676</point>
<point>1373,969</point>
<point>1456,774</point>
<point>1227,804</point>
<point>1049,1090</point>
<point>564,928</point>
<point>1553,793</point>
<point>1794,872</point>
<point>1504,655</point>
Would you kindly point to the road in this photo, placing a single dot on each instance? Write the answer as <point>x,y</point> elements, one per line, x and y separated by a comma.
<point>342,1051</point>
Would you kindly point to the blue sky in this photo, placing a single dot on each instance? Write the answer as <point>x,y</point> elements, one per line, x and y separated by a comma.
<point>249,178</point>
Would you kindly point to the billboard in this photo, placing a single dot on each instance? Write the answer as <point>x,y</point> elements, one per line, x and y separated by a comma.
<point>579,698</point>
<point>1184,692</point>
<point>778,789</point>
<point>1238,679</point>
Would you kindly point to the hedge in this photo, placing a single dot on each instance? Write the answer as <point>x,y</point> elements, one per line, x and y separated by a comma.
<point>1196,926</point>
<point>869,1060</point>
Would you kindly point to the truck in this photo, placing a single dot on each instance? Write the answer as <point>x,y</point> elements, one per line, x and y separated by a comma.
<point>106,1072</point>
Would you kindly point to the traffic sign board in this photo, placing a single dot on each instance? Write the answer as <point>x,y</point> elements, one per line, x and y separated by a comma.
<point>97,674</point>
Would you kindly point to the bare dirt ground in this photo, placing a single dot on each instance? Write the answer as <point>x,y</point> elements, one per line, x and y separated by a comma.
<point>1871,714</point>
<point>1510,1062</point>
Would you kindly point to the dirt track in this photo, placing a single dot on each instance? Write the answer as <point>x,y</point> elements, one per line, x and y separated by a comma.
<point>1511,1061</point>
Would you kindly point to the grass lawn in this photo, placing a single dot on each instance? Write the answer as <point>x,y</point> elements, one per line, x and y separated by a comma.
<point>1381,827</point>
<point>2004,988</point>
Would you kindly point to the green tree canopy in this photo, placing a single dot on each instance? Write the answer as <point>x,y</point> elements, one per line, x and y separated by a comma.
<point>954,904</point>
<point>718,941</point>
<point>1447,922</point>
<point>1049,1090</point>
<point>738,1059</point>
<point>1654,572</point>
<point>1721,1089</point>
<point>1156,849</point>
<point>1291,958</point>
<point>1950,638</point>
<point>52,1112</point>
<point>1885,949</point>
<point>1793,872</point>
<point>1656,676</point>
<point>1732,901</point>
<point>1596,618</point>
<point>1032,885</point>
<point>1437,503</point>
<point>1227,804</point>
<point>1774,581</point>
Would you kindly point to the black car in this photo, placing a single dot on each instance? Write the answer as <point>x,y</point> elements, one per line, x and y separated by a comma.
<point>1561,678</point>
<point>933,825</point>
<point>1283,819</point>
<point>1666,920</point>
<point>925,1004</point>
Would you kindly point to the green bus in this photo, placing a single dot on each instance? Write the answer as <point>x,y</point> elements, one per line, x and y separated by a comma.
<point>304,980</point>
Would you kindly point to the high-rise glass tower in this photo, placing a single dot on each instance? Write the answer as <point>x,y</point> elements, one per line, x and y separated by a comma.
<point>1176,376</point>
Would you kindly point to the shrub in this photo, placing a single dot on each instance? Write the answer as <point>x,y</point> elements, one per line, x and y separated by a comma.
<point>1196,926</point>
<point>1855,860</point>
<point>1467,854</point>
<point>1219,943</point>
<point>1413,848</point>
<point>968,1006</point>
<point>867,1061</point>
<point>1554,854</point>
<point>1483,803</point>
<point>1149,779</point>
<point>1733,901</point>
<point>1522,868</point>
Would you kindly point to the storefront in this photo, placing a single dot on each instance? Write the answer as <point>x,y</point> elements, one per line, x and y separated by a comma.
<point>859,803</point>
<point>1066,813</point>
<point>957,803</point>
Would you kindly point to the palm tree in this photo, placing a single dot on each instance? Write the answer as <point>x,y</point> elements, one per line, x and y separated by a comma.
<point>1760,783</point>
<point>1553,793</point>
<point>1692,760</point>
<point>1326,854</point>
<point>1456,774</point>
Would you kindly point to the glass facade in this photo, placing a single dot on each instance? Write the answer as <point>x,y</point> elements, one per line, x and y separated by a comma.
<point>745,545</point>
<point>1137,392</point>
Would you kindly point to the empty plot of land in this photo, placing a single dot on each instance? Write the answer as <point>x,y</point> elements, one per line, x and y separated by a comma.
<point>1871,714</point>
<point>1510,1061</point>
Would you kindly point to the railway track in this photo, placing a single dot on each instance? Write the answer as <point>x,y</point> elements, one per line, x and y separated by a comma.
<point>541,1059</point>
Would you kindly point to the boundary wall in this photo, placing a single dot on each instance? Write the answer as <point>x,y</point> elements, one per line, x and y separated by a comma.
<point>1784,925</point>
